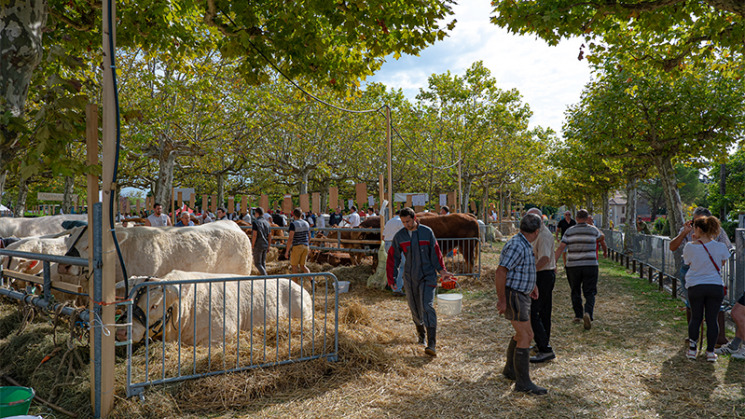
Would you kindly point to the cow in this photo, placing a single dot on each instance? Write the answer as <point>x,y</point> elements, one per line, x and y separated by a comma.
<point>247,304</point>
<point>349,234</point>
<point>219,247</point>
<point>45,245</point>
<point>38,226</point>
<point>451,226</point>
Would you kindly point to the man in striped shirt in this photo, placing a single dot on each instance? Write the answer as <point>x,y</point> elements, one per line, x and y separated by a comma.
<point>298,242</point>
<point>581,242</point>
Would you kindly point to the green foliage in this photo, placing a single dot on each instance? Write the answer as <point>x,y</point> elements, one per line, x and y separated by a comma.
<point>734,199</point>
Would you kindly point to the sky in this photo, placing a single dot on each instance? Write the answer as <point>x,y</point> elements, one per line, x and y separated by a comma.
<point>549,78</point>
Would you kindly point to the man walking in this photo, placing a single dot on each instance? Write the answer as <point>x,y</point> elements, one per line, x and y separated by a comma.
<point>540,309</point>
<point>392,227</point>
<point>298,242</point>
<point>260,232</point>
<point>581,267</point>
<point>562,227</point>
<point>423,263</point>
<point>515,281</point>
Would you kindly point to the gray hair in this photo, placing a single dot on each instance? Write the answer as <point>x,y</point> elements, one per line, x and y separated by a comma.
<point>535,211</point>
<point>530,223</point>
<point>701,212</point>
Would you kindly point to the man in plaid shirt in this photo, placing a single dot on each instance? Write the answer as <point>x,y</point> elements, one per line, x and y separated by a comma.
<point>516,285</point>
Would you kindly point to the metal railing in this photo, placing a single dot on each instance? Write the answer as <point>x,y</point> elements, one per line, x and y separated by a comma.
<point>264,331</point>
<point>653,252</point>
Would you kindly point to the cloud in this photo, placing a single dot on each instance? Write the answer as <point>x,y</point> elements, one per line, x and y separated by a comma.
<point>549,78</point>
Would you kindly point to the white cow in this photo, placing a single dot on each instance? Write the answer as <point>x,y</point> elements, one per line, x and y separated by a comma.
<point>220,247</point>
<point>46,245</point>
<point>281,295</point>
<point>38,226</point>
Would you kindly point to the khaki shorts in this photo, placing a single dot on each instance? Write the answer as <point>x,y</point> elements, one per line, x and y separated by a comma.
<point>298,255</point>
<point>518,306</point>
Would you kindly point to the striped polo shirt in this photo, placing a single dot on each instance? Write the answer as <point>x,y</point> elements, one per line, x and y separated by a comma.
<point>581,242</point>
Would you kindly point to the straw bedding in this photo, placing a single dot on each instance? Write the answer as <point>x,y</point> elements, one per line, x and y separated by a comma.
<point>631,364</point>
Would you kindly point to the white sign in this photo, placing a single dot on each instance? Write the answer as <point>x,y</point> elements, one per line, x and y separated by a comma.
<point>350,203</point>
<point>370,201</point>
<point>443,199</point>
<point>185,193</point>
<point>49,196</point>
<point>419,200</point>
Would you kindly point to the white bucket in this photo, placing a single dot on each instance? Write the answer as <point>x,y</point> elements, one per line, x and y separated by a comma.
<point>449,304</point>
<point>342,286</point>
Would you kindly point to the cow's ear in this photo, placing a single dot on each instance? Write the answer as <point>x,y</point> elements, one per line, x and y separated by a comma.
<point>172,294</point>
<point>122,235</point>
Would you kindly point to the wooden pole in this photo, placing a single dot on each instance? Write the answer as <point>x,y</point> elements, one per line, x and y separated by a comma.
<point>108,161</point>
<point>390,160</point>
<point>193,201</point>
<point>205,204</point>
<point>381,193</point>
<point>460,184</point>
<point>172,207</point>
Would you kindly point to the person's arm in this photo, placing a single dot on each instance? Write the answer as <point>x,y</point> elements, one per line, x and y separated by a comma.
<point>560,250</point>
<point>543,261</point>
<point>501,280</point>
<point>254,234</point>
<point>678,240</point>
<point>289,243</point>
<point>147,223</point>
<point>601,240</point>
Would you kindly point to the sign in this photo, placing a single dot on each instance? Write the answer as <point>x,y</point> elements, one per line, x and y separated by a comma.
<point>443,199</point>
<point>419,200</point>
<point>370,201</point>
<point>50,196</point>
<point>350,203</point>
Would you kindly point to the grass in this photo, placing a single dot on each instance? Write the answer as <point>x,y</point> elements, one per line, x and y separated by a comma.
<point>630,364</point>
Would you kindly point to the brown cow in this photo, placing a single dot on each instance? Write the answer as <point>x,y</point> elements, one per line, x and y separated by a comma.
<point>356,257</point>
<point>451,226</point>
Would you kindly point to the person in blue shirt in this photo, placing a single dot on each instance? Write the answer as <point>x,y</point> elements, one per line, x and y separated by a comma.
<point>184,220</point>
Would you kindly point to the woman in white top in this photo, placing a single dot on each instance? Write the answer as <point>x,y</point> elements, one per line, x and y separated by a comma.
<point>704,282</point>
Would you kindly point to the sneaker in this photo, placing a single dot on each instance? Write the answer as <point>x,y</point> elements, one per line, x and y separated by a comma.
<point>739,354</point>
<point>725,350</point>
<point>711,357</point>
<point>587,320</point>
<point>691,353</point>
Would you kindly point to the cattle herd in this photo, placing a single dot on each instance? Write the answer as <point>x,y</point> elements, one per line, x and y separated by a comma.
<point>211,251</point>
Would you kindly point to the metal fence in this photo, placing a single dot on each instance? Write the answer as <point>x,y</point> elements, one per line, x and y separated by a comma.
<point>462,257</point>
<point>654,254</point>
<point>218,326</point>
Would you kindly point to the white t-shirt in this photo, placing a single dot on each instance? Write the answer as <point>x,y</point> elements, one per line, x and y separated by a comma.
<point>392,227</point>
<point>320,221</point>
<point>156,221</point>
<point>702,269</point>
<point>353,219</point>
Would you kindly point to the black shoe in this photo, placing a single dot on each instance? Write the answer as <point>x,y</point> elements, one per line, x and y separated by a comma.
<point>542,357</point>
<point>431,342</point>
<point>587,320</point>
<point>430,351</point>
<point>531,389</point>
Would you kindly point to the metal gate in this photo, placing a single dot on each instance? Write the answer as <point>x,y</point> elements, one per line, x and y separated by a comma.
<point>276,331</point>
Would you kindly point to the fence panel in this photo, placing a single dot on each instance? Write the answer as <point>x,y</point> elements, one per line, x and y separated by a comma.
<point>271,322</point>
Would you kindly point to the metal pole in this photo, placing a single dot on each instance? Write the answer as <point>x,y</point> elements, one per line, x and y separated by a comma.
<point>96,322</point>
<point>390,160</point>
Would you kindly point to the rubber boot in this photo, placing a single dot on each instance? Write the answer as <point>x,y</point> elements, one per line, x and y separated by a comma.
<point>522,373</point>
<point>722,338</point>
<point>509,365</point>
<point>420,333</point>
<point>431,341</point>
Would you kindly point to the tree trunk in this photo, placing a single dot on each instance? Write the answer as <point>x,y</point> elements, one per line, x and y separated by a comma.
<point>672,195</point>
<point>466,195</point>
<point>22,23</point>
<point>485,204</point>
<point>164,181</point>
<point>630,229</point>
<point>20,208</point>
<point>67,196</point>
<point>3,177</point>
<point>723,190</point>
<point>304,182</point>
<point>606,210</point>
<point>220,190</point>
<point>590,208</point>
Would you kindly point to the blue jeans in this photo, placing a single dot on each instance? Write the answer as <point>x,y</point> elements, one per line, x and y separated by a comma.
<point>399,284</point>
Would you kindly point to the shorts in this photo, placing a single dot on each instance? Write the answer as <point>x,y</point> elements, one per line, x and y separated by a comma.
<point>298,255</point>
<point>741,301</point>
<point>518,305</point>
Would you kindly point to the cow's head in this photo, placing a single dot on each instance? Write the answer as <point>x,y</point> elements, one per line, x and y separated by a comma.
<point>78,245</point>
<point>148,305</point>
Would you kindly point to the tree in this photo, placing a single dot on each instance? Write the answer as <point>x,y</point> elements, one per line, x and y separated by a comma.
<point>663,32</point>
<point>663,121</point>
<point>734,199</point>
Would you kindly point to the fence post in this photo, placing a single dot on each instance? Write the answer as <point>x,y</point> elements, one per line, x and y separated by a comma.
<point>739,275</point>
<point>650,273</point>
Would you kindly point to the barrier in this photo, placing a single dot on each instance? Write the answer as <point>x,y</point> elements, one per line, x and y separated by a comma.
<point>653,254</point>
<point>269,341</point>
